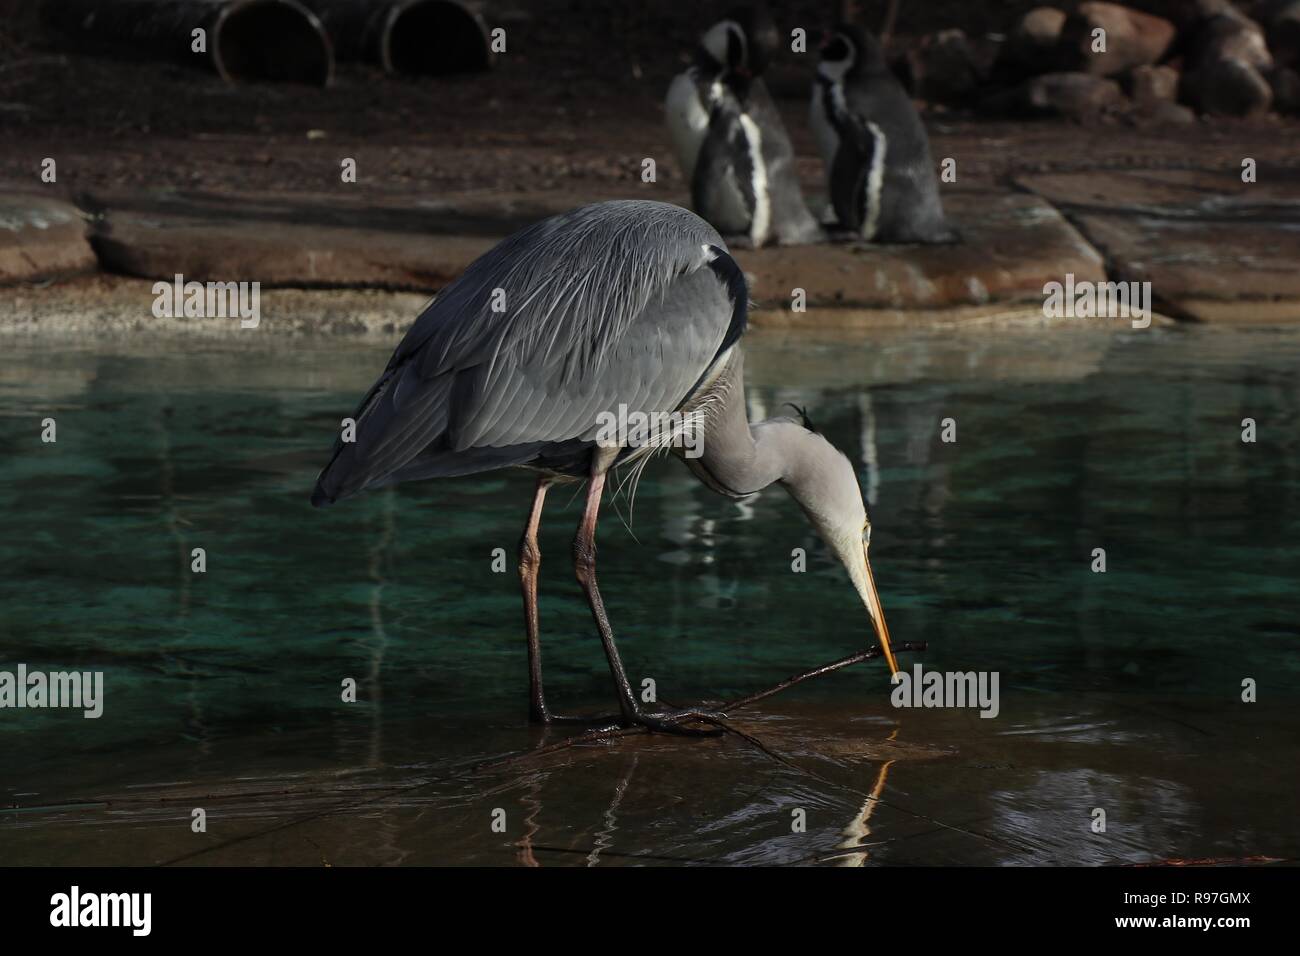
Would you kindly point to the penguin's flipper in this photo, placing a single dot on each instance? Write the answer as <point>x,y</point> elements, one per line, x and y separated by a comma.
<point>849,176</point>
<point>718,187</point>
<point>792,223</point>
<point>688,120</point>
<point>746,167</point>
<point>858,131</point>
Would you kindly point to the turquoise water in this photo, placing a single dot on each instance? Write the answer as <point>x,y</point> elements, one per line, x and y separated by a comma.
<point>1123,686</point>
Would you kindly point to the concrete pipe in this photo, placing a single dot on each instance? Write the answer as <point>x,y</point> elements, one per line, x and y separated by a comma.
<point>246,41</point>
<point>409,37</point>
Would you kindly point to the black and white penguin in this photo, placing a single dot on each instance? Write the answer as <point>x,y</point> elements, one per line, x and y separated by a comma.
<point>731,142</point>
<point>880,175</point>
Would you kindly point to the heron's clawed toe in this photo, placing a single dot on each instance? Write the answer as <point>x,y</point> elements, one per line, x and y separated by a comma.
<point>677,721</point>
<point>589,720</point>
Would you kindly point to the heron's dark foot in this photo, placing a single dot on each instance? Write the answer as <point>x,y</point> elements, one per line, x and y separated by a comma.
<point>678,721</point>
<point>542,716</point>
<point>588,720</point>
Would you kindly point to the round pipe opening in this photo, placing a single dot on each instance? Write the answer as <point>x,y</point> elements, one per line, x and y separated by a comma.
<point>435,38</point>
<point>276,41</point>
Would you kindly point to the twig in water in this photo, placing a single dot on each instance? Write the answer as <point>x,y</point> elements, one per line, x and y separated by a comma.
<point>869,654</point>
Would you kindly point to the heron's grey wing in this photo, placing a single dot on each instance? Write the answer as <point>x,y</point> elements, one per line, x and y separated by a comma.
<point>653,368</point>
<point>554,301</point>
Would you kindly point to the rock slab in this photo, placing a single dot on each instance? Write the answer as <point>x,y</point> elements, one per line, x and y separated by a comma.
<point>1212,247</point>
<point>41,238</point>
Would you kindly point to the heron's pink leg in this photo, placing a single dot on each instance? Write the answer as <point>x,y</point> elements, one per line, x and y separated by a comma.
<point>530,559</point>
<point>584,565</point>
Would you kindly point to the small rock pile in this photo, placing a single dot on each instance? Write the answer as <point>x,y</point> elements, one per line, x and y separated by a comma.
<point>1168,62</point>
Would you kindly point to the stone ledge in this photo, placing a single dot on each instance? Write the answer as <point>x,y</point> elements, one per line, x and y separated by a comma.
<point>1212,247</point>
<point>42,238</point>
<point>1012,244</point>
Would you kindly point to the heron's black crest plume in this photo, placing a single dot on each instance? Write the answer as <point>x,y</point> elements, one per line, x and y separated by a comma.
<point>803,418</point>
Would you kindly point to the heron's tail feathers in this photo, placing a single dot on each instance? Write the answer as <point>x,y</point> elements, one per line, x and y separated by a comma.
<point>381,436</point>
<point>404,430</point>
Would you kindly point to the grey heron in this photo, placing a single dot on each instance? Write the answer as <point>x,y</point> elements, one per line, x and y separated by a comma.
<point>616,309</point>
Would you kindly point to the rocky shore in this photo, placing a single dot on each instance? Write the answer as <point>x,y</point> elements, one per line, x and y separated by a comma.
<point>169,172</point>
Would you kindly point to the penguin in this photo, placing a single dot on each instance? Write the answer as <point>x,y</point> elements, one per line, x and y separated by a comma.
<point>879,171</point>
<point>731,142</point>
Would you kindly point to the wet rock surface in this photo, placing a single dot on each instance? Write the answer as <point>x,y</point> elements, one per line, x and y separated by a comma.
<point>41,239</point>
<point>1011,244</point>
<point>172,172</point>
<point>1212,246</point>
<point>880,785</point>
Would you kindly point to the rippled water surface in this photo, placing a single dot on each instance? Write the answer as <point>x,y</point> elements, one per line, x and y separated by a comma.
<point>1120,691</point>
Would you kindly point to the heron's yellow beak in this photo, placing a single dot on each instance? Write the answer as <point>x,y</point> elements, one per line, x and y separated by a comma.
<point>877,614</point>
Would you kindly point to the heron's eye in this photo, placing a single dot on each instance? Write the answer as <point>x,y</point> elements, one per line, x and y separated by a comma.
<point>866,533</point>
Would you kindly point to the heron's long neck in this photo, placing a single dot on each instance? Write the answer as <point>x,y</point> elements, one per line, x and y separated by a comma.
<point>739,458</point>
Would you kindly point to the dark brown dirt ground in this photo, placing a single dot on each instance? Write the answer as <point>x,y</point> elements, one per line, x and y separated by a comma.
<point>573,106</point>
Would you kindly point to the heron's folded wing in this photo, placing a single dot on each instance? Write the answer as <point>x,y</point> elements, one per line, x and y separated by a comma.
<point>537,334</point>
<point>652,367</point>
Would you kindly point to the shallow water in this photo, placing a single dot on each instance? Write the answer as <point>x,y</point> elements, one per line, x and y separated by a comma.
<point>1119,691</point>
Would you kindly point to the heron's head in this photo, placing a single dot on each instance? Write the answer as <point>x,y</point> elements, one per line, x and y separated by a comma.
<point>824,483</point>
<point>847,50</point>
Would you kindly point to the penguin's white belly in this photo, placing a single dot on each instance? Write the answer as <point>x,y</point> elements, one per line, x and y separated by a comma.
<point>761,222</point>
<point>872,195</point>
<point>728,211</point>
<point>688,121</point>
